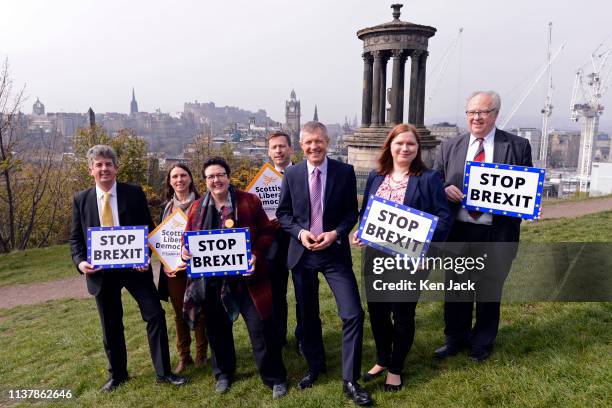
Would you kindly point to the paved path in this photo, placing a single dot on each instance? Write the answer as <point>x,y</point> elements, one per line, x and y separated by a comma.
<point>576,208</point>
<point>34,293</point>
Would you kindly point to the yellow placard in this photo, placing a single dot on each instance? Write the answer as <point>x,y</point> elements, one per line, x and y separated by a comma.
<point>165,240</point>
<point>267,185</point>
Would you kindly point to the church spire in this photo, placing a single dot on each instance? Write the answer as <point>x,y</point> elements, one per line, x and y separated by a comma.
<point>316,115</point>
<point>133,104</point>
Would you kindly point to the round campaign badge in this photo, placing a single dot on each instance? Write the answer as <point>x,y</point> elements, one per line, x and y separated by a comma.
<point>229,223</point>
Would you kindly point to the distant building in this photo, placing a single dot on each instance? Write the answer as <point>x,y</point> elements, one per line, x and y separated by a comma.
<point>601,179</point>
<point>534,136</point>
<point>292,119</point>
<point>563,149</point>
<point>601,147</point>
<point>38,108</point>
<point>444,131</point>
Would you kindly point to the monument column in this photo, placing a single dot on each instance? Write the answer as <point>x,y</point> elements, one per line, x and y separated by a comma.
<point>366,101</point>
<point>420,112</point>
<point>400,109</point>
<point>383,88</point>
<point>376,76</point>
<point>396,88</point>
<point>414,78</point>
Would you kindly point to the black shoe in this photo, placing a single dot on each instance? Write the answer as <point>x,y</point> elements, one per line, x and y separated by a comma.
<point>224,382</point>
<point>367,377</point>
<point>307,381</point>
<point>172,379</point>
<point>392,387</point>
<point>447,350</point>
<point>479,354</point>
<point>112,384</point>
<point>354,391</point>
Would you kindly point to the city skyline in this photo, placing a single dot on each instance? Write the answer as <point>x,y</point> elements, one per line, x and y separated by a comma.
<point>251,54</point>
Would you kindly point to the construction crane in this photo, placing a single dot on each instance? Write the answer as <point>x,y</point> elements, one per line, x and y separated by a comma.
<point>439,70</point>
<point>541,71</point>
<point>548,107</point>
<point>592,87</point>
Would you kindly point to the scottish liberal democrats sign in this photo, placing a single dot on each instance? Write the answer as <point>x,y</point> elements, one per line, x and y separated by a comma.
<point>503,189</point>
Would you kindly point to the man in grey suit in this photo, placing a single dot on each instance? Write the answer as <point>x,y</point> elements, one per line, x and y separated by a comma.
<point>495,235</point>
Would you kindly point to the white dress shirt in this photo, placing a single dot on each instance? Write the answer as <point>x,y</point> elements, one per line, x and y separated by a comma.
<point>113,203</point>
<point>487,144</point>
<point>282,171</point>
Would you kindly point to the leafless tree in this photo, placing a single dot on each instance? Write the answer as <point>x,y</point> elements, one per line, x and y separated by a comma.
<point>30,175</point>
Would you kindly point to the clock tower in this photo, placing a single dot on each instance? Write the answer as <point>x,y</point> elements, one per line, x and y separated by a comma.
<point>292,119</point>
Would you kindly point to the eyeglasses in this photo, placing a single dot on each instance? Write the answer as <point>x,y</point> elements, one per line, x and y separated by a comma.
<point>214,176</point>
<point>481,113</point>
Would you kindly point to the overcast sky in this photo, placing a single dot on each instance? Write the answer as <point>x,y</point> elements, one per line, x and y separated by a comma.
<point>251,53</point>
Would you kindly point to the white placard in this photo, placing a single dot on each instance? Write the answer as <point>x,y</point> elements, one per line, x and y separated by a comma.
<point>503,189</point>
<point>218,252</point>
<point>117,247</point>
<point>396,228</point>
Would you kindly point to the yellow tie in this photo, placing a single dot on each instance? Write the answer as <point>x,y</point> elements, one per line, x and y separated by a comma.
<point>107,212</point>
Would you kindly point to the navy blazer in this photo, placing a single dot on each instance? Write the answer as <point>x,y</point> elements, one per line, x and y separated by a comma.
<point>339,207</point>
<point>424,192</point>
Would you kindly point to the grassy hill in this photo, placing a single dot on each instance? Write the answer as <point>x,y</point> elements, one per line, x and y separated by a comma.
<point>547,355</point>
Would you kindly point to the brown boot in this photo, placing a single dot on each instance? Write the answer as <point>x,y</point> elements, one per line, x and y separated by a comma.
<point>200,360</point>
<point>201,343</point>
<point>183,363</point>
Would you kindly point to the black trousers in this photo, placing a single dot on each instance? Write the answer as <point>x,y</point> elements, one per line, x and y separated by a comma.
<point>341,279</point>
<point>477,240</point>
<point>264,340</point>
<point>279,279</point>
<point>140,285</point>
<point>393,330</point>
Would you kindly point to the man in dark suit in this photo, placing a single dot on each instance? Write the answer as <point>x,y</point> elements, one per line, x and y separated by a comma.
<point>318,209</point>
<point>496,236</point>
<point>280,151</point>
<point>117,204</point>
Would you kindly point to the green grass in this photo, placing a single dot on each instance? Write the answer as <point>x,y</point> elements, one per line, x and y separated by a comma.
<point>547,354</point>
<point>36,265</point>
<point>595,227</point>
<point>574,198</point>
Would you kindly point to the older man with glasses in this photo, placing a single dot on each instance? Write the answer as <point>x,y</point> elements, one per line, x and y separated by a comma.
<point>481,234</point>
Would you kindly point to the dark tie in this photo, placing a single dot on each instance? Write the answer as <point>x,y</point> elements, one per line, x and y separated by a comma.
<point>478,157</point>
<point>316,212</point>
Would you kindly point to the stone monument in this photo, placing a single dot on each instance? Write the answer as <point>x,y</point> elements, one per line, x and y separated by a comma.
<point>396,40</point>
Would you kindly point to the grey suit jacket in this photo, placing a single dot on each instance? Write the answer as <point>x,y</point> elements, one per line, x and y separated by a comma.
<point>507,149</point>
